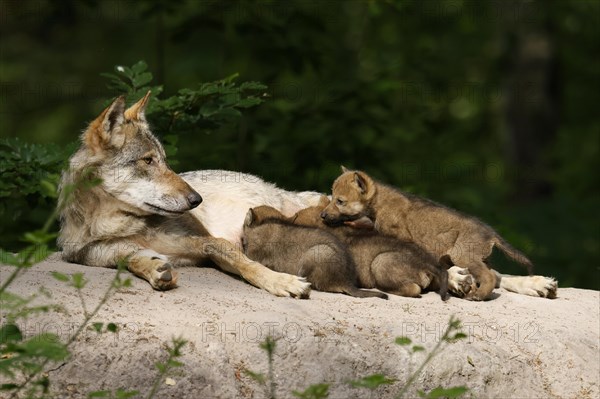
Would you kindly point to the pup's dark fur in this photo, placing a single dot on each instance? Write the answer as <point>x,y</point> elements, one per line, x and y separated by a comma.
<point>438,229</point>
<point>307,252</point>
<point>382,262</point>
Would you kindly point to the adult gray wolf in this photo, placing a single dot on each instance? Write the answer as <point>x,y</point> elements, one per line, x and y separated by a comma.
<point>305,251</point>
<point>382,262</point>
<point>438,229</point>
<point>144,212</point>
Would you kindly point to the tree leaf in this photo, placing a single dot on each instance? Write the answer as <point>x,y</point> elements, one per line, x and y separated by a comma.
<point>60,277</point>
<point>372,381</point>
<point>316,391</point>
<point>10,333</point>
<point>403,341</point>
<point>440,392</point>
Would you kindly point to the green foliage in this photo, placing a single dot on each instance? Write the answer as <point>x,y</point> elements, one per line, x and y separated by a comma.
<point>268,345</point>
<point>455,392</point>
<point>373,381</point>
<point>201,109</point>
<point>164,368</point>
<point>29,175</point>
<point>24,359</point>
<point>118,394</point>
<point>316,391</point>
<point>452,334</point>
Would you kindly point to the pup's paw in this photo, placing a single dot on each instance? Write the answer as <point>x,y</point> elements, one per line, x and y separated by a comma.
<point>460,281</point>
<point>545,287</point>
<point>164,277</point>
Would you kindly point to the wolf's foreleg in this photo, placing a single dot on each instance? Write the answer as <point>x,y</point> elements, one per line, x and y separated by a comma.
<point>231,259</point>
<point>145,263</point>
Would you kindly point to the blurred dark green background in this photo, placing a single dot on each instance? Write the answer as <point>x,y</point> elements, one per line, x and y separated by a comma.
<point>487,106</point>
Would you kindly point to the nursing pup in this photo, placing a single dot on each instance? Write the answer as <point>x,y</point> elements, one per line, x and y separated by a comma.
<point>307,252</point>
<point>382,262</point>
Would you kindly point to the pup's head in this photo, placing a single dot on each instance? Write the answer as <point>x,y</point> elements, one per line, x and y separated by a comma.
<point>131,162</point>
<point>351,198</point>
<point>256,217</point>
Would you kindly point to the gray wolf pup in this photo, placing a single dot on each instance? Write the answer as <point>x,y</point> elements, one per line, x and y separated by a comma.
<point>304,251</point>
<point>146,213</point>
<point>438,229</point>
<point>382,262</point>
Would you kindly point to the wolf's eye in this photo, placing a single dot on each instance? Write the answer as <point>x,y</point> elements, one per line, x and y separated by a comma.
<point>148,160</point>
<point>340,202</point>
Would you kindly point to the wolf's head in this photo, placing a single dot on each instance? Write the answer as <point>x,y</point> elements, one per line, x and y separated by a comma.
<point>351,198</point>
<point>131,162</point>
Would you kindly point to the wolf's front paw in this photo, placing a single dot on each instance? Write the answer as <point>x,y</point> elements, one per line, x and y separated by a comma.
<point>460,281</point>
<point>164,277</point>
<point>283,284</point>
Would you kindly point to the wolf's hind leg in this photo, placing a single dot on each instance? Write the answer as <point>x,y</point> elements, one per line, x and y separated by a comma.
<point>541,286</point>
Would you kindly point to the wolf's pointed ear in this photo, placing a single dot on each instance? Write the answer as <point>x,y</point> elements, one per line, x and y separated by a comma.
<point>344,169</point>
<point>136,111</point>
<point>99,133</point>
<point>249,217</point>
<point>365,184</point>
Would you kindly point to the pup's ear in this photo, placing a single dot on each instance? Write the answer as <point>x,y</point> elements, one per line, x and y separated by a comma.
<point>323,201</point>
<point>250,216</point>
<point>344,169</point>
<point>100,132</point>
<point>136,111</point>
<point>365,184</point>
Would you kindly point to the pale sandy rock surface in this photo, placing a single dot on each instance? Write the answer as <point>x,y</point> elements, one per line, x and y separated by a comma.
<point>517,346</point>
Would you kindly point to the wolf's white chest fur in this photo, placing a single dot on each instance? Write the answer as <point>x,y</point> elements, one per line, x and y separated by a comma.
<point>227,196</point>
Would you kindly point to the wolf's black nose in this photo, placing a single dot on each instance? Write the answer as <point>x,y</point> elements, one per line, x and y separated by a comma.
<point>194,199</point>
<point>323,215</point>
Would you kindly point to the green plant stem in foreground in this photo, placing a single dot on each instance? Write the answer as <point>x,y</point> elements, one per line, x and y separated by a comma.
<point>115,284</point>
<point>164,368</point>
<point>453,325</point>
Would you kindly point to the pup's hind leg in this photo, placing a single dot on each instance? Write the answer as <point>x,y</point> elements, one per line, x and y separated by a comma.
<point>485,280</point>
<point>392,276</point>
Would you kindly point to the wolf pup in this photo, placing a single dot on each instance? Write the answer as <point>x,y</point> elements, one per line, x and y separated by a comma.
<point>142,211</point>
<point>304,251</point>
<point>438,229</point>
<point>382,262</point>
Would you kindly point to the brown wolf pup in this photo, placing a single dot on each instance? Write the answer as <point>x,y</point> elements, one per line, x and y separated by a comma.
<point>382,262</point>
<point>143,211</point>
<point>438,229</point>
<point>308,252</point>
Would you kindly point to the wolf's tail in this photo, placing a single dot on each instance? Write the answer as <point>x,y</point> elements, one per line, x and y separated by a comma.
<point>358,293</point>
<point>513,253</point>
